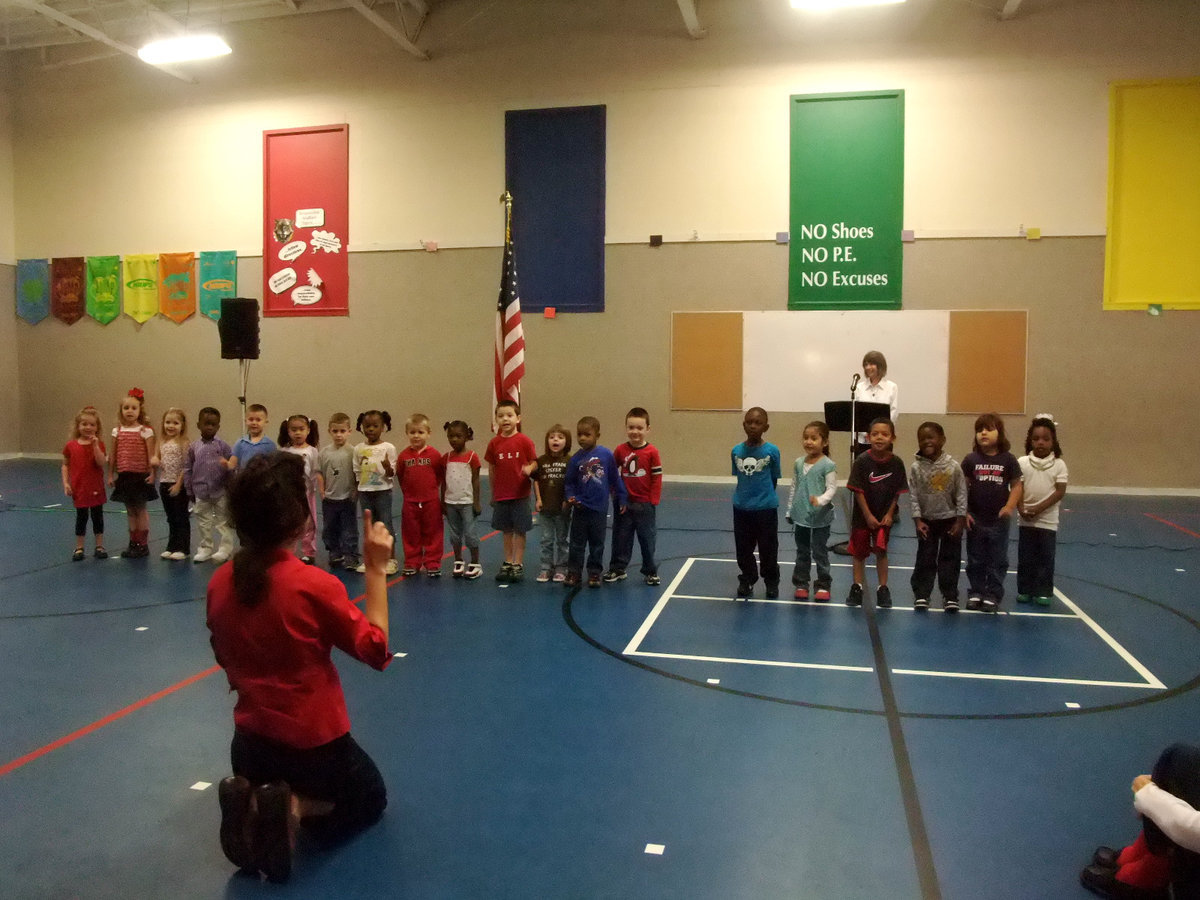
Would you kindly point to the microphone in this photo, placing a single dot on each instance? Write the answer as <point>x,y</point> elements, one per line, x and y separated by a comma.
<point>854,382</point>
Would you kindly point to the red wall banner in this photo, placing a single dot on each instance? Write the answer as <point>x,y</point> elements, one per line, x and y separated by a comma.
<point>306,219</point>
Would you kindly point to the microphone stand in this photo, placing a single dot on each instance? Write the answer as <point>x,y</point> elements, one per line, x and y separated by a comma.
<point>842,548</point>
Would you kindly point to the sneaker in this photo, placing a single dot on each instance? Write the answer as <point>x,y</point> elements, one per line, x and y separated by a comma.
<point>77,556</point>
<point>744,588</point>
<point>407,571</point>
<point>594,581</point>
<point>351,564</point>
<point>504,576</point>
<point>391,568</point>
<point>336,562</point>
<point>614,575</point>
<point>921,603</point>
<point>653,580</point>
<point>166,554</point>
<point>571,579</point>
<point>202,555</point>
<point>218,558</point>
<point>178,554</point>
<point>361,568</point>
<point>801,592</point>
<point>1044,601</point>
<point>1023,598</point>
<point>855,597</point>
<point>989,605</point>
<point>973,603</point>
<point>822,595</point>
<point>433,573</point>
<point>472,571</point>
<point>459,568</point>
<point>559,577</point>
<point>772,591</point>
<point>950,606</point>
<point>516,573</point>
<point>883,597</point>
<point>543,576</point>
<point>100,553</point>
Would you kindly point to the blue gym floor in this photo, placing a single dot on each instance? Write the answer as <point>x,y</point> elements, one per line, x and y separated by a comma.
<point>631,741</point>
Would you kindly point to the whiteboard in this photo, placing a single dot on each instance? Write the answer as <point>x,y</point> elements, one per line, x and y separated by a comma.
<point>793,361</point>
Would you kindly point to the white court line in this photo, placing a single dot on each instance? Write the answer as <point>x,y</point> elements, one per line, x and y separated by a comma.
<point>640,636</point>
<point>753,662</point>
<point>1034,678</point>
<point>837,604</point>
<point>1151,681</point>
<point>832,564</point>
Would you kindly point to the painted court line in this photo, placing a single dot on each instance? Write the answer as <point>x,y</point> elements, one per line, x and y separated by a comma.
<point>1172,524</point>
<point>753,662</point>
<point>1031,678</point>
<point>640,636</point>
<point>1151,681</point>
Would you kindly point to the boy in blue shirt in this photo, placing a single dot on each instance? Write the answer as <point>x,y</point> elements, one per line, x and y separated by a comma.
<point>592,478</point>
<point>756,506</point>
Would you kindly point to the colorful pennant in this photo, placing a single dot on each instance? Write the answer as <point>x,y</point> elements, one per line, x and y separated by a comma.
<point>33,289</point>
<point>141,286</point>
<point>218,280</point>
<point>177,285</point>
<point>104,288</point>
<point>67,289</point>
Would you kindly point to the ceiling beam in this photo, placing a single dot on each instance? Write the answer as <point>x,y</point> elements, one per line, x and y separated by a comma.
<point>386,27</point>
<point>94,33</point>
<point>687,8</point>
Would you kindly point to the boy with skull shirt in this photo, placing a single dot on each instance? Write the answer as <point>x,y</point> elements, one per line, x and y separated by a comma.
<point>756,506</point>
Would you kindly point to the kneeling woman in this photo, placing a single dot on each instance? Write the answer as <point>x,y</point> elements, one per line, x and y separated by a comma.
<point>274,621</point>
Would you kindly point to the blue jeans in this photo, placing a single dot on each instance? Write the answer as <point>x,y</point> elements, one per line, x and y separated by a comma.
<point>340,529</point>
<point>587,531</point>
<point>460,525</point>
<point>812,547</point>
<point>638,519</point>
<point>380,505</point>
<point>987,559</point>
<point>555,546</point>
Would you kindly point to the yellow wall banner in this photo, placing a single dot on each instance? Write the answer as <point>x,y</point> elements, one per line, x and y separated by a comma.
<point>177,285</point>
<point>141,286</point>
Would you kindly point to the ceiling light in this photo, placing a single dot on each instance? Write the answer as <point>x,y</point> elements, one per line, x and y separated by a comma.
<point>839,4</point>
<point>183,48</point>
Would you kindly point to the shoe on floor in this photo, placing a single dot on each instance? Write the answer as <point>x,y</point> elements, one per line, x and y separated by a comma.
<point>433,573</point>
<point>1103,881</point>
<point>202,555</point>
<point>989,605</point>
<point>218,558</point>
<point>822,595</point>
<point>100,553</point>
<point>543,576</point>
<point>392,567</point>
<point>407,571</point>
<point>614,575</point>
<point>77,556</point>
<point>472,571</point>
<point>801,592</point>
<point>361,568</point>
<point>1023,598</point>
<point>772,591</point>
<point>974,603</point>
<point>516,573</point>
<point>1105,857</point>
<point>950,606</point>
<point>653,580</point>
<point>594,580</point>
<point>571,579</point>
<point>1044,601</point>
<point>351,564</point>
<point>921,603</point>
<point>178,555</point>
<point>233,794</point>
<point>166,554</point>
<point>883,597</point>
<point>273,833</point>
<point>504,576</point>
<point>855,597</point>
<point>308,560</point>
<point>336,562</point>
<point>744,588</point>
<point>559,577</point>
<point>459,568</point>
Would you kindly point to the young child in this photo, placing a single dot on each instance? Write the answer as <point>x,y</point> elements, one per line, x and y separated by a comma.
<point>172,461</point>
<point>83,479</point>
<point>641,470</point>
<point>255,440</point>
<point>130,471</point>
<point>205,475</point>
<point>512,459</point>
<point>298,436</point>
<point>460,498</point>
<point>993,495</point>
<point>810,511</point>
<point>550,502</point>
<point>335,479</point>
<point>939,510</point>
<point>877,481</point>
<point>375,470</point>
<point>756,464</point>
<point>1043,485</point>
<point>591,480</point>
<point>420,476</point>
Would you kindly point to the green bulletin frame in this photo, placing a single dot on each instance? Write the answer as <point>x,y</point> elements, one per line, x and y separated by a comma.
<point>847,201</point>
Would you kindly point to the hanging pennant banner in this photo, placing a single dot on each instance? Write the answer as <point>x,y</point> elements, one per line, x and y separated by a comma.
<point>104,288</point>
<point>66,289</point>
<point>33,289</point>
<point>141,287</point>
<point>218,280</point>
<point>177,285</point>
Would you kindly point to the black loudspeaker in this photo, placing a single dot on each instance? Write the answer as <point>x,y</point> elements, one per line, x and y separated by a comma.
<point>238,328</point>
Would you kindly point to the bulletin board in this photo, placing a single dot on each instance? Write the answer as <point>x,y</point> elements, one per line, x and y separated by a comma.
<point>987,361</point>
<point>706,360</point>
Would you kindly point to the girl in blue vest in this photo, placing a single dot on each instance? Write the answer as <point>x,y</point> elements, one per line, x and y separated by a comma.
<point>814,482</point>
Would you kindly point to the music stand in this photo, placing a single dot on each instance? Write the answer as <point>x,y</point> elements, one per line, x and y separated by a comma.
<point>845,415</point>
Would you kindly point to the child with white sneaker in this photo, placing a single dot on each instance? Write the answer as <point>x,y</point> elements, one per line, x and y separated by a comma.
<point>460,498</point>
<point>172,458</point>
<point>205,475</point>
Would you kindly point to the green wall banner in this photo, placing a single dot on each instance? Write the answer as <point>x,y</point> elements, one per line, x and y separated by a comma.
<point>847,200</point>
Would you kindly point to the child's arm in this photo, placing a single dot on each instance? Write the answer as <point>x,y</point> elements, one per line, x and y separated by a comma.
<point>177,486</point>
<point>796,476</point>
<point>112,462</point>
<point>66,476</point>
<point>1056,495</point>
<point>1014,499</point>
<point>475,490</point>
<point>861,499</point>
<point>890,516</point>
<point>98,452</point>
<point>656,477</point>
<point>827,495</point>
<point>152,453</point>
<point>320,483</point>
<point>537,495</point>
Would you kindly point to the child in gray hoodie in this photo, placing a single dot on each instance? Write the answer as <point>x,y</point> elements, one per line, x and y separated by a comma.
<point>938,493</point>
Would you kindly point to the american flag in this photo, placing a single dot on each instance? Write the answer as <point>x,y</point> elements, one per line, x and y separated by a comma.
<point>510,338</point>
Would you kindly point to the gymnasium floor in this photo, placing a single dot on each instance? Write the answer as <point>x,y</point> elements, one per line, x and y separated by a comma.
<point>624,742</point>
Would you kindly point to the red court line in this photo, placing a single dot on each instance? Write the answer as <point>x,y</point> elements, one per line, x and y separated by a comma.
<point>1172,524</point>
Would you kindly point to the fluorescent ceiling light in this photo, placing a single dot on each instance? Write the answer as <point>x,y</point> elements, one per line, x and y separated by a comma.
<point>839,4</point>
<point>183,48</point>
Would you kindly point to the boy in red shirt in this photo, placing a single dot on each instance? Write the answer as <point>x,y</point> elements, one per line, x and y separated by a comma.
<point>511,458</point>
<point>420,471</point>
<point>641,470</point>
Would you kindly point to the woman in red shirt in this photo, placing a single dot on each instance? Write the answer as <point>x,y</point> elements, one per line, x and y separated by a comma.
<point>274,621</point>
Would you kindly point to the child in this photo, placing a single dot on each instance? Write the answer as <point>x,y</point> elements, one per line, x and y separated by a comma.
<point>756,506</point>
<point>993,495</point>
<point>877,481</point>
<point>205,475</point>
<point>591,479</point>
<point>335,479</point>
<point>460,497</point>
<point>512,459</point>
<point>551,503</point>
<point>130,471</point>
<point>420,477</point>
<point>939,509</point>
<point>83,479</point>
<point>298,435</point>
<point>172,460</point>
<point>374,469</point>
<point>1043,485</point>
<point>814,484</point>
<point>641,470</point>
<point>255,440</point>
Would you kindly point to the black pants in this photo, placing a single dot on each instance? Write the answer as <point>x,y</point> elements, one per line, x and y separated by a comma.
<point>587,532</point>
<point>179,525</point>
<point>339,772</point>
<point>1177,772</point>
<point>81,519</point>
<point>757,528</point>
<point>1035,561</point>
<point>938,554</point>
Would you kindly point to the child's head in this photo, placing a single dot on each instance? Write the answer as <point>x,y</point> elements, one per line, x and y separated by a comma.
<point>931,438</point>
<point>755,423</point>
<point>339,428</point>
<point>174,424</point>
<point>874,365</point>
<point>508,417</point>
<point>637,425</point>
<point>417,428</point>
<point>815,438</point>
<point>588,432</point>
<point>133,408</point>
<point>989,435</point>
<point>297,431</point>
<point>881,435</point>
<point>209,422</point>
<point>458,433</point>
<point>1042,438</point>
<point>373,423</point>
<point>268,504</point>
<point>86,424</point>
<point>256,419</point>
<point>558,440</point>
